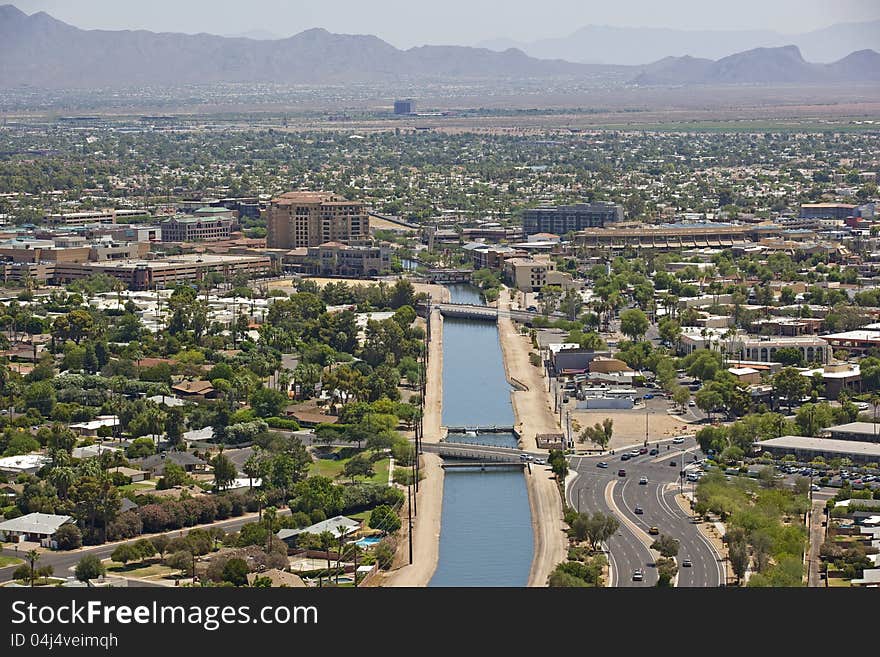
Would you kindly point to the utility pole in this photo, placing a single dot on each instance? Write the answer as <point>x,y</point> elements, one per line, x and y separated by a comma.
<point>409,511</point>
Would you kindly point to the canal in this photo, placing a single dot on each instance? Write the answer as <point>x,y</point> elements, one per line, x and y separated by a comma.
<point>486,534</point>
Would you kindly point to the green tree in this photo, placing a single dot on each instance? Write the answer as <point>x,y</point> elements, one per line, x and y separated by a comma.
<point>634,324</point>
<point>789,385</point>
<point>599,434</point>
<point>124,553</point>
<point>383,517</point>
<point>358,466</point>
<point>681,396</point>
<point>236,571</point>
<point>558,463</point>
<point>789,356</point>
<point>225,471</point>
<point>665,545</point>
<point>89,568</point>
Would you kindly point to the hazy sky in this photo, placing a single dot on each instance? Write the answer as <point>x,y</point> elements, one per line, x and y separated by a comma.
<point>406,23</point>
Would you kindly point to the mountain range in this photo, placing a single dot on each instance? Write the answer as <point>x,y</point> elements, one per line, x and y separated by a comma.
<point>761,66</point>
<point>639,45</point>
<point>41,51</point>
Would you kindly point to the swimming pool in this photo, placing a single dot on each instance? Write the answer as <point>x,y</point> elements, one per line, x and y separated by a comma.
<point>368,541</point>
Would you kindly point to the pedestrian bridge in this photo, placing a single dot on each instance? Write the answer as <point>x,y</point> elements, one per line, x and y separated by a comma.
<point>487,313</point>
<point>477,453</point>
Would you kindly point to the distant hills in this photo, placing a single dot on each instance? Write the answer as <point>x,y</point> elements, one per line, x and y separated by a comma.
<point>761,66</point>
<point>635,46</point>
<point>41,51</point>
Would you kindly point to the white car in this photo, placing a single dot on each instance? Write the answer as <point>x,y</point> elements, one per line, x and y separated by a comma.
<point>862,406</point>
<point>678,441</point>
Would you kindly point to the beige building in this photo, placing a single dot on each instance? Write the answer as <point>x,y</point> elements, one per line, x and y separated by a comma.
<point>527,274</point>
<point>303,219</point>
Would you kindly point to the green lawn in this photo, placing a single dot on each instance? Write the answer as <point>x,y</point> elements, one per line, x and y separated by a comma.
<point>138,487</point>
<point>838,582</point>
<point>9,561</point>
<point>333,469</point>
<point>151,568</point>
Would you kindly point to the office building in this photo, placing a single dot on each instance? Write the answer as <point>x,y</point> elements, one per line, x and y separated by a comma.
<point>72,219</point>
<point>828,210</point>
<point>407,106</point>
<point>196,229</point>
<point>563,219</point>
<point>304,219</point>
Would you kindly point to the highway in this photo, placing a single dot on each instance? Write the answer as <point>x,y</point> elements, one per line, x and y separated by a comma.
<point>659,509</point>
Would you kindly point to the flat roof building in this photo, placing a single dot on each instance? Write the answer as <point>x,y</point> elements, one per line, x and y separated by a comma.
<point>298,219</point>
<point>196,229</point>
<point>855,342</point>
<point>806,449</point>
<point>561,219</point>
<point>827,210</point>
<point>858,431</point>
<point>33,527</point>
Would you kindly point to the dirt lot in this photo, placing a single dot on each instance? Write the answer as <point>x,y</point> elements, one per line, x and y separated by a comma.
<point>629,426</point>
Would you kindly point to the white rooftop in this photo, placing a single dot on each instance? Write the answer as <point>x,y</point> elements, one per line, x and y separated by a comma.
<point>23,462</point>
<point>35,523</point>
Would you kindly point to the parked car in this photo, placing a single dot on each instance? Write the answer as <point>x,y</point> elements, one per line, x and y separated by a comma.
<point>648,396</point>
<point>654,452</point>
<point>601,464</point>
<point>692,403</point>
<point>540,462</point>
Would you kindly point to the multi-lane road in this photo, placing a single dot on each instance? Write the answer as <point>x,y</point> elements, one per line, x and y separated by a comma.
<point>598,489</point>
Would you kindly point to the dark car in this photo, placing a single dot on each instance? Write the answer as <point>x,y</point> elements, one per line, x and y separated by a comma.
<point>621,473</point>
<point>672,464</point>
<point>686,563</point>
<point>648,396</point>
<point>625,457</point>
<point>654,452</point>
<point>638,511</point>
<point>643,450</point>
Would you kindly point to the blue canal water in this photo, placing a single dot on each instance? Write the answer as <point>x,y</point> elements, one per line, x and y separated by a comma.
<point>486,533</point>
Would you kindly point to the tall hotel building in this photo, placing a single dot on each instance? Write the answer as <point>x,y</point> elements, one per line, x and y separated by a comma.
<point>303,219</point>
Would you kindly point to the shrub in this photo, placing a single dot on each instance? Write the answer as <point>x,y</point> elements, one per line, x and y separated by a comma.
<point>384,553</point>
<point>127,524</point>
<point>235,572</point>
<point>69,537</point>
<point>383,517</point>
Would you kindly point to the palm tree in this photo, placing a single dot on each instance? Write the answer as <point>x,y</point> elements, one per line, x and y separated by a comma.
<point>326,539</point>
<point>33,557</point>
<point>62,478</point>
<point>342,529</point>
<point>269,516</point>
